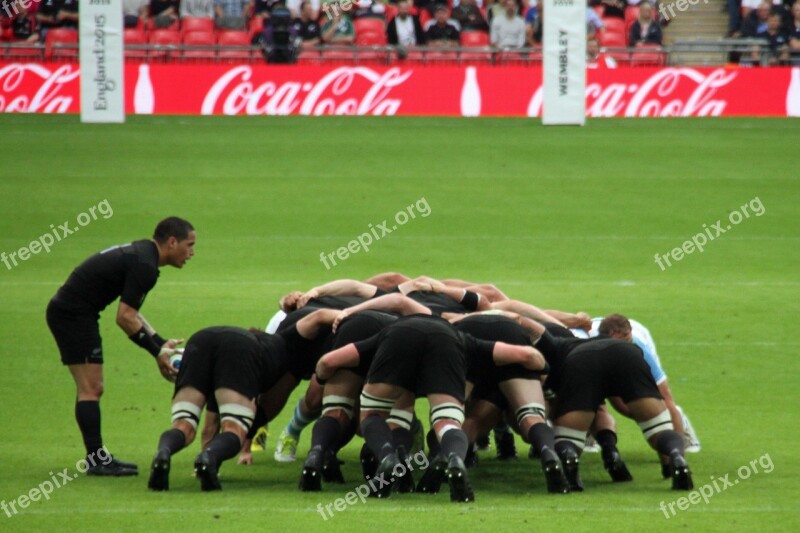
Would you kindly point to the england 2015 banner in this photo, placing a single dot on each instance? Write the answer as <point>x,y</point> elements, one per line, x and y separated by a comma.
<point>102,65</point>
<point>564,43</point>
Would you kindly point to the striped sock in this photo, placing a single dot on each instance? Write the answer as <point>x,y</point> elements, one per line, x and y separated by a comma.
<point>298,422</point>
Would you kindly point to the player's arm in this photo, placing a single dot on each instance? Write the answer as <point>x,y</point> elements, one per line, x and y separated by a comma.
<point>526,309</point>
<point>578,320</point>
<point>346,356</point>
<point>309,326</point>
<point>394,303</point>
<point>471,301</point>
<point>132,323</point>
<point>340,287</point>
<point>677,419</point>
<point>510,354</point>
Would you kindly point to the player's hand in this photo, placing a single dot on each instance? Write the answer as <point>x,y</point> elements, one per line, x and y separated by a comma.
<point>245,458</point>
<point>303,300</point>
<point>585,321</point>
<point>339,319</point>
<point>289,302</point>
<point>169,349</point>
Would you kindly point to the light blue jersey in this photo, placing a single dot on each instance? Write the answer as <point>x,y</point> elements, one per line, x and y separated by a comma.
<point>642,339</point>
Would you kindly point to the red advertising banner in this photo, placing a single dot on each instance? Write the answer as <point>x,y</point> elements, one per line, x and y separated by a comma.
<point>419,90</point>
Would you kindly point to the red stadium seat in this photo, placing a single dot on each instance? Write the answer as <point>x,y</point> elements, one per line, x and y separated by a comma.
<point>648,55</point>
<point>612,39</point>
<point>369,25</point>
<point>370,38</point>
<point>163,40</point>
<point>256,26</point>
<point>196,24</point>
<point>474,38</point>
<point>175,26</point>
<point>205,39</point>
<point>137,38</point>
<point>236,39</point>
<point>613,25</point>
<point>391,12</point>
<point>424,17</point>
<point>61,43</point>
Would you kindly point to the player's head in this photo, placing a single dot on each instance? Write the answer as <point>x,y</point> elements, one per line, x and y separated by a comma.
<point>175,238</point>
<point>617,327</point>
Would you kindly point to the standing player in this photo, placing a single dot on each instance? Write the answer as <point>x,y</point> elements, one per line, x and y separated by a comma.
<point>127,272</point>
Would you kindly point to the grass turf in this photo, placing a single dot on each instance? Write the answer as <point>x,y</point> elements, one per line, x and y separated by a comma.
<point>567,218</point>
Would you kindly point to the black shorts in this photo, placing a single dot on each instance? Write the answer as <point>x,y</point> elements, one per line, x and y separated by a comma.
<point>425,360</point>
<point>221,357</point>
<point>77,334</point>
<point>358,327</point>
<point>594,371</point>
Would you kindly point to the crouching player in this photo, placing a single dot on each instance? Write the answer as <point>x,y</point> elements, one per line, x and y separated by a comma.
<point>233,365</point>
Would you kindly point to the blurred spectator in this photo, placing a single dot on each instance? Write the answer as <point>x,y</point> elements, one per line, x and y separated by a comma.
<point>163,12</point>
<point>296,8</point>
<point>496,9</point>
<point>794,29</point>
<point>23,24</point>
<point>230,14</point>
<point>756,21</point>
<point>456,3</point>
<point>747,6</point>
<point>533,29</point>
<point>440,31</point>
<point>777,38</point>
<point>306,26</point>
<point>616,8</point>
<point>508,31</point>
<point>369,8</point>
<point>405,29</point>
<point>596,57</point>
<point>57,14</point>
<point>469,16</point>
<point>197,8</point>
<point>594,23</point>
<point>134,11</point>
<point>339,28</point>
<point>645,30</point>
<point>263,8</point>
<point>429,5</point>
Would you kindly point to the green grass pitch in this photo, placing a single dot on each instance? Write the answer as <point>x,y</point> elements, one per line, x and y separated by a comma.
<point>567,218</point>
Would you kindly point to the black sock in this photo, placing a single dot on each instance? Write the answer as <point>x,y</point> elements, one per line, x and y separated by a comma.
<point>541,436</point>
<point>325,435</point>
<point>87,413</point>
<point>347,433</point>
<point>402,437</point>
<point>433,443</point>
<point>377,435</point>
<point>565,447</point>
<point>668,442</point>
<point>455,441</point>
<point>607,439</point>
<point>223,447</point>
<point>172,440</point>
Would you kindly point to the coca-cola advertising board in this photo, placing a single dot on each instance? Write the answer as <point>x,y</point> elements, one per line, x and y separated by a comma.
<point>406,90</point>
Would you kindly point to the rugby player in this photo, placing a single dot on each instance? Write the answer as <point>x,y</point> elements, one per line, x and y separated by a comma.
<point>127,272</point>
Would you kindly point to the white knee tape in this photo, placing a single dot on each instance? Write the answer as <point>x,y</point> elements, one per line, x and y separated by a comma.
<point>656,424</point>
<point>575,436</point>
<point>333,402</point>
<point>238,414</point>
<point>453,411</point>
<point>186,411</point>
<point>373,403</point>
<point>400,418</point>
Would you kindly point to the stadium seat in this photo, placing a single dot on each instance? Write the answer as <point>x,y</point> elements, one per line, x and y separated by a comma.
<point>474,38</point>
<point>631,14</point>
<point>424,17</point>
<point>204,40</point>
<point>163,40</point>
<point>61,43</point>
<point>137,38</point>
<point>613,25</point>
<point>256,26</point>
<point>196,24</point>
<point>238,39</point>
<point>370,38</point>
<point>175,26</point>
<point>648,55</point>
<point>369,25</point>
<point>391,12</point>
<point>612,39</point>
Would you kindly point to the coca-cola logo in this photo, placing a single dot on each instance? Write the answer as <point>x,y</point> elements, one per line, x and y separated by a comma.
<point>661,95</point>
<point>46,98</point>
<point>343,91</point>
